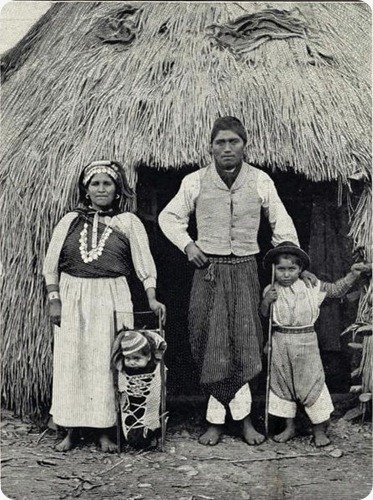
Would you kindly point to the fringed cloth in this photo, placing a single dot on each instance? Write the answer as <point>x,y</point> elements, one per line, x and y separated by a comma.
<point>297,373</point>
<point>225,330</point>
<point>140,397</point>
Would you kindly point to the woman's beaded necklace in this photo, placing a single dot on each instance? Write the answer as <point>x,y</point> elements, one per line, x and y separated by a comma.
<point>97,248</point>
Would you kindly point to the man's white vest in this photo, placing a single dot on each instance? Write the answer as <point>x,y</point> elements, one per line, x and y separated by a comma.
<point>228,219</point>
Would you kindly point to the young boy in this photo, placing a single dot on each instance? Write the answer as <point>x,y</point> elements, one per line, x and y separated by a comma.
<point>297,374</point>
<point>136,356</point>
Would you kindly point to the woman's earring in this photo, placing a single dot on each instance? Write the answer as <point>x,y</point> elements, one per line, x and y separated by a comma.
<point>117,197</point>
<point>87,196</point>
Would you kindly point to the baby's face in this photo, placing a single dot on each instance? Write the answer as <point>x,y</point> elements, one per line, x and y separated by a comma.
<point>287,272</point>
<point>136,360</point>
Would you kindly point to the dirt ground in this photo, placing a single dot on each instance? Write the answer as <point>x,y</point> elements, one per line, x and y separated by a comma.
<point>32,469</point>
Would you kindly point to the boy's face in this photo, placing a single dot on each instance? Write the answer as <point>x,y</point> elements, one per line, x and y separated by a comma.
<point>136,360</point>
<point>286,272</point>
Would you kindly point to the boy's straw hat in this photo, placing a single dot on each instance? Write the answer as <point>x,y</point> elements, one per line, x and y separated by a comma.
<point>286,247</point>
<point>132,341</point>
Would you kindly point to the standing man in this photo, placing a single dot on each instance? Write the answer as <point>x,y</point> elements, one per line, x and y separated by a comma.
<point>225,330</point>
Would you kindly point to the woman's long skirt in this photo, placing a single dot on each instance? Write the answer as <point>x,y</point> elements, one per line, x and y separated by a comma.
<point>83,391</point>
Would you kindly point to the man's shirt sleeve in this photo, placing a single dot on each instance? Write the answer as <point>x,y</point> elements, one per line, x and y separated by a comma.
<point>174,218</point>
<point>280,221</point>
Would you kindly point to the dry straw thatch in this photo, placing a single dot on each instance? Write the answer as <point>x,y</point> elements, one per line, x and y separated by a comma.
<point>143,82</point>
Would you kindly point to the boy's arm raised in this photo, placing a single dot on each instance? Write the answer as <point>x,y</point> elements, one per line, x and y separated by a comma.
<point>341,287</point>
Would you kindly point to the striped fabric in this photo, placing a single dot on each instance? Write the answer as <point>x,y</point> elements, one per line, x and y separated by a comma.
<point>225,330</point>
<point>83,392</point>
<point>132,342</point>
<point>297,373</point>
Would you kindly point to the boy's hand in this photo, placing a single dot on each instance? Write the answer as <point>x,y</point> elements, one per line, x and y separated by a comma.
<point>55,311</point>
<point>308,278</point>
<point>270,296</point>
<point>361,267</point>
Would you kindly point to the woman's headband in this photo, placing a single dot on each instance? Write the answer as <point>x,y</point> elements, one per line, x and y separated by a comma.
<point>100,167</point>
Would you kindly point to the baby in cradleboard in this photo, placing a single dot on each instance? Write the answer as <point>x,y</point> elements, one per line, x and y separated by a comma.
<point>297,374</point>
<point>136,355</point>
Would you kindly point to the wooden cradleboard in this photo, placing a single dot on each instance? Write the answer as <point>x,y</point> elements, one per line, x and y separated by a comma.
<point>120,381</point>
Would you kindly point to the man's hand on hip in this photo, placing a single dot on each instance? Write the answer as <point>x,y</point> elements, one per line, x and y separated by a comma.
<point>195,255</point>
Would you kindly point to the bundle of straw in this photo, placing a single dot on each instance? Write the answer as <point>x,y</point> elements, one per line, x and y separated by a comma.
<point>361,232</point>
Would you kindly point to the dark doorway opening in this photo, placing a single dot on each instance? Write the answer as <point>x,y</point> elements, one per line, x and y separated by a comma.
<point>322,227</point>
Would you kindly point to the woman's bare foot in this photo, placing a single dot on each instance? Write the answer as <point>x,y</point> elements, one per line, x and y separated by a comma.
<point>68,442</point>
<point>319,435</point>
<point>106,443</point>
<point>212,436</point>
<point>288,433</point>
<point>250,435</point>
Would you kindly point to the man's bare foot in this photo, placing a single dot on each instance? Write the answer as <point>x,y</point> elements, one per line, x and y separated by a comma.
<point>250,435</point>
<point>287,434</point>
<point>107,444</point>
<point>212,436</point>
<point>68,442</point>
<point>319,435</point>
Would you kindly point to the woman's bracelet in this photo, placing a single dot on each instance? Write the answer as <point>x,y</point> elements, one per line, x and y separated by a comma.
<point>54,296</point>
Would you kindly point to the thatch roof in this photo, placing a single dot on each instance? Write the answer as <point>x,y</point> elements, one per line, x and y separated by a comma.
<point>143,83</point>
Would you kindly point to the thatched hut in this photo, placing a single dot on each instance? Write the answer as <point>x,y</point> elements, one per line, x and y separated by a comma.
<point>143,83</point>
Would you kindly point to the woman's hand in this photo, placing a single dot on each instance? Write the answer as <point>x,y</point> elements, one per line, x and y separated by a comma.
<point>159,309</point>
<point>55,311</point>
<point>195,255</point>
<point>309,279</point>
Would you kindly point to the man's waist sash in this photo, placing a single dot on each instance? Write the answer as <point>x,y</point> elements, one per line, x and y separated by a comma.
<point>229,259</point>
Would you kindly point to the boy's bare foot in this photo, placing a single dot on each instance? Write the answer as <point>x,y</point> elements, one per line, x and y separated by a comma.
<point>287,434</point>
<point>68,442</point>
<point>319,435</point>
<point>212,436</point>
<point>250,435</point>
<point>107,444</point>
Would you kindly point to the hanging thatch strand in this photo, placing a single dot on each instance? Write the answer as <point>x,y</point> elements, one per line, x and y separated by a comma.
<point>361,233</point>
<point>143,82</point>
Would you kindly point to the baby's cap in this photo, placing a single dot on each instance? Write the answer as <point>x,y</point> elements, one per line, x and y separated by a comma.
<point>132,341</point>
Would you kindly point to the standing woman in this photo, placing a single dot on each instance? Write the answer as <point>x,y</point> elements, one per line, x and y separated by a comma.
<point>89,258</point>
